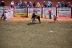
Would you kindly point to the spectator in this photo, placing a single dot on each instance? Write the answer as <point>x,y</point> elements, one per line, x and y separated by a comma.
<point>38,4</point>
<point>65,5</point>
<point>62,4</point>
<point>25,4</point>
<point>12,4</point>
<point>20,4</point>
<point>68,5</point>
<point>44,4</point>
<point>2,4</point>
<point>17,5</point>
<point>59,4</point>
<point>49,4</point>
<point>34,4</point>
<point>30,4</point>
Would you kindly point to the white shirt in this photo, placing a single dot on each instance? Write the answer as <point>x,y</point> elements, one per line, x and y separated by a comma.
<point>12,3</point>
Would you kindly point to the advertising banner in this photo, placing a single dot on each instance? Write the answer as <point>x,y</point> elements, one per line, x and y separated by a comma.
<point>64,12</point>
<point>21,12</point>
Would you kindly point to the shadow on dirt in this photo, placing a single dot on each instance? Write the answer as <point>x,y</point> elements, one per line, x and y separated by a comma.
<point>52,22</point>
<point>32,23</point>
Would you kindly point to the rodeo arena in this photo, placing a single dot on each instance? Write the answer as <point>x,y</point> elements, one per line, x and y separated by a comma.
<point>45,10</point>
<point>34,25</point>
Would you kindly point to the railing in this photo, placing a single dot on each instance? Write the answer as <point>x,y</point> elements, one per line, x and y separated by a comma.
<point>42,11</point>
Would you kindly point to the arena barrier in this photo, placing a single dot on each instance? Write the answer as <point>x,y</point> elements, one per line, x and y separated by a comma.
<point>20,12</point>
<point>38,11</point>
<point>9,12</point>
<point>42,12</point>
<point>46,12</point>
<point>64,12</point>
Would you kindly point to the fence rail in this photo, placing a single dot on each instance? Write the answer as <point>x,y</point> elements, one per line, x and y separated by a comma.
<point>42,11</point>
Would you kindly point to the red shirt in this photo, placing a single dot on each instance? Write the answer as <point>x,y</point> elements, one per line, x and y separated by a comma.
<point>55,18</point>
<point>49,11</point>
<point>35,11</point>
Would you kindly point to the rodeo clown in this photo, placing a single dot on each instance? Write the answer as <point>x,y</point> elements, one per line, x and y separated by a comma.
<point>34,17</point>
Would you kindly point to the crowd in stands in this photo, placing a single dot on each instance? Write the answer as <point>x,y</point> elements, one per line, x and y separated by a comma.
<point>34,4</point>
<point>30,4</point>
<point>2,3</point>
<point>62,4</point>
<point>27,4</point>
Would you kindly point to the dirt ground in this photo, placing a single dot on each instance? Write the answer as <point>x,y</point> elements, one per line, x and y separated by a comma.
<point>43,19</point>
<point>17,33</point>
